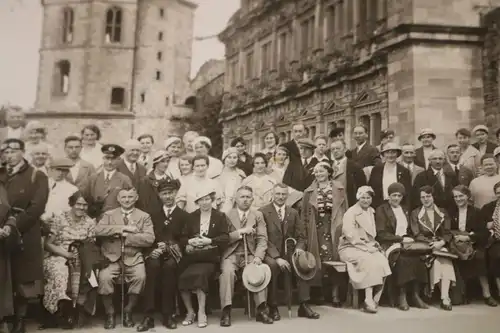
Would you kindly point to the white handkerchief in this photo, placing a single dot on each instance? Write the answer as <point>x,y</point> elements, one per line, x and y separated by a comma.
<point>93,280</point>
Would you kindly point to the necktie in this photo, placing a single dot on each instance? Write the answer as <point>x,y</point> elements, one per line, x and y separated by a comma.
<point>280,216</point>
<point>54,186</point>
<point>132,168</point>
<point>10,170</point>
<point>125,218</point>
<point>439,176</point>
<point>106,180</point>
<point>457,170</point>
<point>496,229</point>
<point>243,218</point>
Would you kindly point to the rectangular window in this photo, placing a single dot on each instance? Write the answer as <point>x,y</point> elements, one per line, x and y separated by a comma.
<point>158,75</point>
<point>162,12</point>
<point>307,36</point>
<point>249,66</point>
<point>68,21</point>
<point>283,47</point>
<point>118,97</point>
<point>61,77</point>
<point>159,56</point>
<point>266,58</point>
<point>167,101</point>
<point>160,36</point>
<point>143,97</point>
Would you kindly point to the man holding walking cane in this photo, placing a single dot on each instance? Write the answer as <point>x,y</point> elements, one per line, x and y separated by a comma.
<point>125,232</point>
<point>284,229</point>
<point>247,228</point>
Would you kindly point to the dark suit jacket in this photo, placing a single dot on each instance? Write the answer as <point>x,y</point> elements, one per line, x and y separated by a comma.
<point>474,224</point>
<point>386,223</point>
<point>169,231</point>
<point>419,157</point>
<point>140,172</point>
<point>355,178</point>
<point>490,147</point>
<point>465,175</point>
<point>278,232</point>
<point>247,166</point>
<point>367,156</point>
<point>295,173</point>
<point>443,197</point>
<point>376,183</point>
<point>422,230</point>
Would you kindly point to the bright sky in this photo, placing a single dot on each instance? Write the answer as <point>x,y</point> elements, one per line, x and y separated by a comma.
<point>20,43</point>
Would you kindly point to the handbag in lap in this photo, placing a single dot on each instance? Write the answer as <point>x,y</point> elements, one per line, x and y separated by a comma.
<point>416,248</point>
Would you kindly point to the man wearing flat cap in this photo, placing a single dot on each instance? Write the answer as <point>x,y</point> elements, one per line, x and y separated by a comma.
<point>161,263</point>
<point>136,229</point>
<point>103,186</point>
<point>27,190</point>
<point>59,188</point>
<point>426,137</point>
<point>482,144</point>
<point>306,148</point>
<point>128,164</point>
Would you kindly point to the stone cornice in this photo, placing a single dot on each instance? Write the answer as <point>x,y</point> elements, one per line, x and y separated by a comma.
<point>79,115</point>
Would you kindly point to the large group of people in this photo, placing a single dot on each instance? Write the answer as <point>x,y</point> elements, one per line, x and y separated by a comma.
<point>167,221</point>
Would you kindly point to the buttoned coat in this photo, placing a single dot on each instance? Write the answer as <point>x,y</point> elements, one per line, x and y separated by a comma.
<point>377,184</point>
<point>278,231</point>
<point>112,223</point>
<point>257,242</point>
<point>367,156</point>
<point>414,171</point>
<point>465,175</point>
<point>295,173</point>
<point>85,170</point>
<point>443,197</point>
<point>140,172</point>
<point>420,157</point>
<point>28,190</point>
<point>386,223</point>
<point>422,229</point>
<point>97,189</point>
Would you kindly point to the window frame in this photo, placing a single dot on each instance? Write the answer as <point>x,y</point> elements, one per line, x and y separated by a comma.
<point>68,25</point>
<point>58,78</point>
<point>113,22</point>
<point>117,106</point>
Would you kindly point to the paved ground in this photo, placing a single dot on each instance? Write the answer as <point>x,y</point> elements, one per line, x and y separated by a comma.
<point>466,319</point>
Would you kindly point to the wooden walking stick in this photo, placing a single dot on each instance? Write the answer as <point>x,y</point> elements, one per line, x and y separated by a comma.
<point>288,277</point>
<point>246,263</point>
<point>122,264</point>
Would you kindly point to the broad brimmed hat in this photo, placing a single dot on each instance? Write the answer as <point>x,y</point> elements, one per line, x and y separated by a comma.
<point>391,146</point>
<point>203,192</point>
<point>62,164</point>
<point>159,156</point>
<point>481,128</point>
<point>426,131</point>
<point>256,277</point>
<point>170,141</point>
<point>304,264</point>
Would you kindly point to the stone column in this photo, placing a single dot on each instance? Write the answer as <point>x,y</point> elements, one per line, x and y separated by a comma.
<point>349,124</point>
<point>318,22</point>
<point>241,68</point>
<point>321,126</point>
<point>294,52</point>
<point>274,48</point>
<point>255,141</point>
<point>372,128</point>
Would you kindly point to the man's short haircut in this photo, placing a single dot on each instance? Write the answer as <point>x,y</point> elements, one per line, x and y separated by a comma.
<point>72,138</point>
<point>146,136</point>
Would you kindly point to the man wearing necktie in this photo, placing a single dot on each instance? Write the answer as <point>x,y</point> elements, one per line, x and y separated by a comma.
<point>407,160</point>
<point>249,223</point>
<point>104,185</point>
<point>463,173</point>
<point>283,222</point>
<point>137,229</point>
<point>441,182</point>
<point>147,141</point>
<point>129,165</point>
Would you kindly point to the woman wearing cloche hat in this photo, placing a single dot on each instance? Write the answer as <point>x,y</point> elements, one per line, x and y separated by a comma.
<point>205,237</point>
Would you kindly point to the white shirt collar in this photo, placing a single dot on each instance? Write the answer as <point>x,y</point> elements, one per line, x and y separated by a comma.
<point>109,173</point>
<point>361,146</point>
<point>130,165</point>
<point>127,212</point>
<point>168,210</point>
<point>437,172</point>
<point>240,213</point>
<point>280,209</point>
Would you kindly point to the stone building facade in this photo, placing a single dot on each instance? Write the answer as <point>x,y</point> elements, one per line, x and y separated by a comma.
<point>121,64</point>
<point>403,64</point>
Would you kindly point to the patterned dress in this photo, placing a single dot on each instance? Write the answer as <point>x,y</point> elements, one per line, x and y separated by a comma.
<point>64,230</point>
<point>323,224</point>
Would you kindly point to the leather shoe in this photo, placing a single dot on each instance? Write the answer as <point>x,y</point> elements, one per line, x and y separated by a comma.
<point>274,313</point>
<point>490,301</point>
<point>402,303</point>
<point>305,311</point>
<point>128,321</point>
<point>419,303</point>
<point>263,317</point>
<point>146,324</point>
<point>110,322</point>
<point>446,305</point>
<point>169,322</point>
<point>19,326</point>
<point>225,319</point>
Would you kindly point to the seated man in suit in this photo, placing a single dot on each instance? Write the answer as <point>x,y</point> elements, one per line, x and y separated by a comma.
<point>282,222</point>
<point>161,264</point>
<point>249,223</point>
<point>136,229</point>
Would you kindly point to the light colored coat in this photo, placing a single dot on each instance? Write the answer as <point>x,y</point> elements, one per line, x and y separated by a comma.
<point>85,170</point>
<point>471,159</point>
<point>257,243</point>
<point>112,223</point>
<point>96,188</point>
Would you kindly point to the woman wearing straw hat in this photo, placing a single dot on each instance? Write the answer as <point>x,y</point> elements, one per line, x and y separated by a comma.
<point>204,238</point>
<point>367,266</point>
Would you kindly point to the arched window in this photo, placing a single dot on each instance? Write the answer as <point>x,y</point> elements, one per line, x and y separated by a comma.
<point>114,18</point>
<point>61,77</point>
<point>67,25</point>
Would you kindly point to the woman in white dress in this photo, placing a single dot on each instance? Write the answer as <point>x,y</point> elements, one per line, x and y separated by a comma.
<point>230,179</point>
<point>260,181</point>
<point>367,265</point>
<point>202,146</point>
<point>199,178</point>
<point>91,148</point>
<point>173,146</point>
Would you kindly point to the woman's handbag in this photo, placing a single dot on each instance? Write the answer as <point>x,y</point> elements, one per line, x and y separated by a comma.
<point>416,248</point>
<point>205,254</point>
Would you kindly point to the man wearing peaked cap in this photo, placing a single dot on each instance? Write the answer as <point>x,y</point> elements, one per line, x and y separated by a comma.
<point>128,164</point>
<point>161,263</point>
<point>60,189</point>
<point>484,145</point>
<point>103,186</point>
